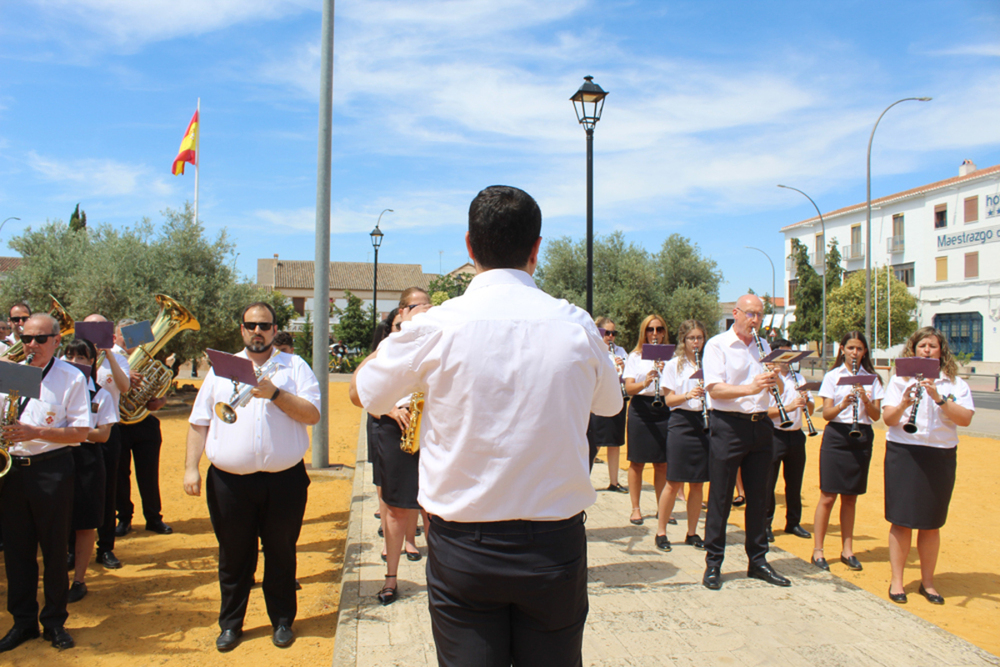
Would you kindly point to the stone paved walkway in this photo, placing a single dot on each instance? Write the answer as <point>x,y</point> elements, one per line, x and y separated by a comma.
<point>649,608</point>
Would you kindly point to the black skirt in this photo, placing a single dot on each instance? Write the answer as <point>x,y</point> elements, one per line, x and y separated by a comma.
<point>373,450</point>
<point>918,485</point>
<point>687,448</point>
<point>647,431</point>
<point>88,486</point>
<point>399,471</point>
<point>607,431</point>
<point>843,460</point>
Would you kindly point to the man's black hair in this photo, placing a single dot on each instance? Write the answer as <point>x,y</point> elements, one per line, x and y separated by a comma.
<point>258,304</point>
<point>22,304</point>
<point>504,223</point>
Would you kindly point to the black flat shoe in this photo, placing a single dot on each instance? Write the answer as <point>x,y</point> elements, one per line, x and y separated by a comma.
<point>672,521</point>
<point>933,598</point>
<point>820,563</point>
<point>770,534</point>
<point>413,556</point>
<point>159,528</point>
<point>380,532</point>
<point>388,595</point>
<point>636,522</point>
<point>283,636</point>
<point>16,637</point>
<point>767,574</point>
<point>662,543</point>
<point>228,640</point>
<point>59,638</point>
<point>123,528</point>
<point>712,579</point>
<point>898,598</point>
<point>108,560</point>
<point>851,562</point>
<point>77,592</point>
<point>695,541</point>
<point>618,488</point>
<point>418,532</point>
<point>739,501</point>
<point>798,531</point>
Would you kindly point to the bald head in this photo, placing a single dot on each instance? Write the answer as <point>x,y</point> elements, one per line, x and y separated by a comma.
<point>95,318</point>
<point>750,302</point>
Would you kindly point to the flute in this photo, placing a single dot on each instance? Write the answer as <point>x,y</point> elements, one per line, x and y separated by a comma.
<point>785,421</point>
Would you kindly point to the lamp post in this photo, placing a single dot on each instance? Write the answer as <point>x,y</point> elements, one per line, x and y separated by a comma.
<point>868,225</point>
<point>588,102</point>
<point>750,247</point>
<point>822,226</point>
<point>376,235</point>
<point>5,222</point>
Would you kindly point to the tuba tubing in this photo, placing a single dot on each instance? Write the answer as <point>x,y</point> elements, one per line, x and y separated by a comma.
<point>66,327</point>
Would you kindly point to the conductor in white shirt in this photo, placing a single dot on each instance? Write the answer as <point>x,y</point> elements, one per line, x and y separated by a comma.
<point>510,377</point>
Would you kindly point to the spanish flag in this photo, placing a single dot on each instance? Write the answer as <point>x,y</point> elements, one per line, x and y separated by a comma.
<point>189,147</point>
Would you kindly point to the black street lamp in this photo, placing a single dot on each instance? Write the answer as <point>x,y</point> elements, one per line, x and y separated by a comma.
<point>588,102</point>
<point>376,235</point>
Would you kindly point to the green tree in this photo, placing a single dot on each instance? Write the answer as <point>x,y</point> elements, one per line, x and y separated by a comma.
<point>451,285</point>
<point>354,328</point>
<point>689,284</point>
<point>304,341</point>
<point>846,309</point>
<point>78,219</point>
<point>808,324</point>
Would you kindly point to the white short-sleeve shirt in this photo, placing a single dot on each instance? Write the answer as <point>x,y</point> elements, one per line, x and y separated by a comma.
<point>934,429</point>
<point>636,369</point>
<point>263,438</point>
<point>791,380</point>
<point>106,380</point>
<point>63,402</point>
<point>830,389</point>
<point>729,360</point>
<point>680,382</point>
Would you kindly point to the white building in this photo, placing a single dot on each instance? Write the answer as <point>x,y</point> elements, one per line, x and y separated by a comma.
<point>941,240</point>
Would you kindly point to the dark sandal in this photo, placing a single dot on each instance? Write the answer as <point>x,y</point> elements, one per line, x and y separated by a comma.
<point>388,595</point>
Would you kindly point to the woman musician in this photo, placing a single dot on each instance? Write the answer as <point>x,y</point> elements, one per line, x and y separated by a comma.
<point>647,424</point>
<point>687,440</point>
<point>920,465</point>
<point>609,432</point>
<point>843,458</point>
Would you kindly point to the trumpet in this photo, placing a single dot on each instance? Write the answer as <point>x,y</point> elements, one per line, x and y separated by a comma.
<point>805,411</point>
<point>227,411</point>
<point>785,421</point>
<point>855,428</point>
<point>704,398</point>
<point>911,424</point>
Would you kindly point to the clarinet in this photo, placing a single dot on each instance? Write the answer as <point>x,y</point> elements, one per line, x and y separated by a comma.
<point>855,428</point>
<point>805,411</point>
<point>657,399</point>
<point>704,398</point>
<point>911,424</point>
<point>785,421</point>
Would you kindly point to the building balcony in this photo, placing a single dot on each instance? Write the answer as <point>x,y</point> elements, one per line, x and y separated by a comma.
<point>816,261</point>
<point>853,251</point>
<point>790,266</point>
<point>895,244</point>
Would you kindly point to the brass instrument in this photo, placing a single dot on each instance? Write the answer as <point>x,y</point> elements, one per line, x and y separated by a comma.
<point>911,424</point>
<point>8,418</point>
<point>410,442</point>
<point>66,327</point>
<point>171,320</point>
<point>704,397</point>
<point>855,428</point>
<point>657,399</point>
<point>227,411</point>
<point>785,421</point>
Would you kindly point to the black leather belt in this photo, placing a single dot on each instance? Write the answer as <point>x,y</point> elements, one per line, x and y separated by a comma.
<point>750,417</point>
<point>25,461</point>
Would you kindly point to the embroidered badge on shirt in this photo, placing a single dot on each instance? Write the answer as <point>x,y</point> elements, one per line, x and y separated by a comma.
<point>50,417</point>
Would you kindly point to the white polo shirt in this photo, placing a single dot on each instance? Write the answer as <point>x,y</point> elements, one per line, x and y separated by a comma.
<point>934,429</point>
<point>729,360</point>
<point>790,380</point>
<point>830,389</point>
<point>63,402</point>
<point>510,377</point>
<point>680,382</point>
<point>263,438</point>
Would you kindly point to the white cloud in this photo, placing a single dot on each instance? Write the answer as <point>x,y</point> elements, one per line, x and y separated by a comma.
<point>94,177</point>
<point>990,50</point>
<point>416,211</point>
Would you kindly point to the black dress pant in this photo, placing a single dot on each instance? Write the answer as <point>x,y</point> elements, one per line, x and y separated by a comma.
<point>140,441</point>
<point>790,449</point>
<point>508,592</point>
<point>242,507</point>
<point>36,504</point>
<point>112,452</point>
<point>738,444</point>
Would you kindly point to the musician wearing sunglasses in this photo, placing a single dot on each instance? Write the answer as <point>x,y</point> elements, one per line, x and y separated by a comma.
<point>36,500</point>
<point>256,484</point>
<point>16,317</point>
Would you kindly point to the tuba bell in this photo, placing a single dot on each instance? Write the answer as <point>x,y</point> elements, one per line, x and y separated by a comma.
<point>66,327</point>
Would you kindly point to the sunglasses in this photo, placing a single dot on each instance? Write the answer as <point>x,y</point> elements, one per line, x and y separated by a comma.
<point>19,318</point>
<point>41,339</point>
<point>263,326</point>
<point>655,329</point>
<point>414,305</point>
<point>611,333</point>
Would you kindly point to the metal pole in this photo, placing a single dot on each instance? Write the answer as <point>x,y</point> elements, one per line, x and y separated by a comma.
<point>197,162</point>
<point>888,307</point>
<point>773,284</point>
<point>321,280</point>
<point>375,292</point>
<point>590,221</point>
<point>822,226</point>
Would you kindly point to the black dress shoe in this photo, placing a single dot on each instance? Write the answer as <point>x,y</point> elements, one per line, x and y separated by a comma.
<point>662,543</point>
<point>898,598</point>
<point>712,579</point>
<point>851,562</point>
<point>159,528</point>
<point>820,563</point>
<point>228,640</point>
<point>798,531</point>
<point>59,637</point>
<point>933,598</point>
<point>77,592</point>
<point>109,560</point>
<point>770,534</point>
<point>16,637</point>
<point>695,541</point>
<point>766,573</point>
<point>123,528</point>
<point>283,636</point>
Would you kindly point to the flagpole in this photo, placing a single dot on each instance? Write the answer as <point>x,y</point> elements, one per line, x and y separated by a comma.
<point>197,161</point>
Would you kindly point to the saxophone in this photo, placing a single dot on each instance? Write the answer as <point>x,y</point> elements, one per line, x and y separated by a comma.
<point>410,442</point>
<point>7,419</point>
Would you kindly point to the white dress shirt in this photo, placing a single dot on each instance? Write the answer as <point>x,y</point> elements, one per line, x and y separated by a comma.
<point>680,382</point>
<point>934,429</point>
<point>263,438</point>
<point>107,409</point>
<point>830,389</point>
<point>636,369</point>
<point>107,381</point>
<point>510,377</point>
<point>729,360</point>
<point>63,402</point>
<point>790,380</point>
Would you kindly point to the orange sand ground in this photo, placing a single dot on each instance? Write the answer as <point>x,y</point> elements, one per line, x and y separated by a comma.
<point>161,608</point>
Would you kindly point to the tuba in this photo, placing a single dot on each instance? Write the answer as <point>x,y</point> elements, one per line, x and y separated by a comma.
<point>172,319</point>
<point>410,442</point>
<point>66,326</point>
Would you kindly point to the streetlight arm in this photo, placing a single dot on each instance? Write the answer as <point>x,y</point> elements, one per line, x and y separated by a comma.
<point>822,226</point>
<point>773,284</point>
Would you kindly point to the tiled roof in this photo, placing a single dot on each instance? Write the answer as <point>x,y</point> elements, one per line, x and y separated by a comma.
<point>922,190</point>
<point>9,263</point>
<point>354,276</point>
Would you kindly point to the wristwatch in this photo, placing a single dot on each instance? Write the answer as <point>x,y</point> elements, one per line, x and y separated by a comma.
<point>944,399</point>
<point>278,391</point>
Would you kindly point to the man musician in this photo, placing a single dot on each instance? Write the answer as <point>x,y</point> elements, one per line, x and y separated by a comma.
<point>257,482</point>
<point>37,495</point>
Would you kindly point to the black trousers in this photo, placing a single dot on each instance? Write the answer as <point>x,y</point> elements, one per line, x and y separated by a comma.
<point>242,507</point>
<point>112,453</point>
<point>738,444</point>
<point>508,592</point>
<point>140,441</point>
<point>36,504</point>
<point>790,449</point>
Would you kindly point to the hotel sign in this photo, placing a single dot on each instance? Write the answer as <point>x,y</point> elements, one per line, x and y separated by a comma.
<point>970,238</point>
<point>993,206</point>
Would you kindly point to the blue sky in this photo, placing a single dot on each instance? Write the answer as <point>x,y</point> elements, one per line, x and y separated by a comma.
<point>711,105</point>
